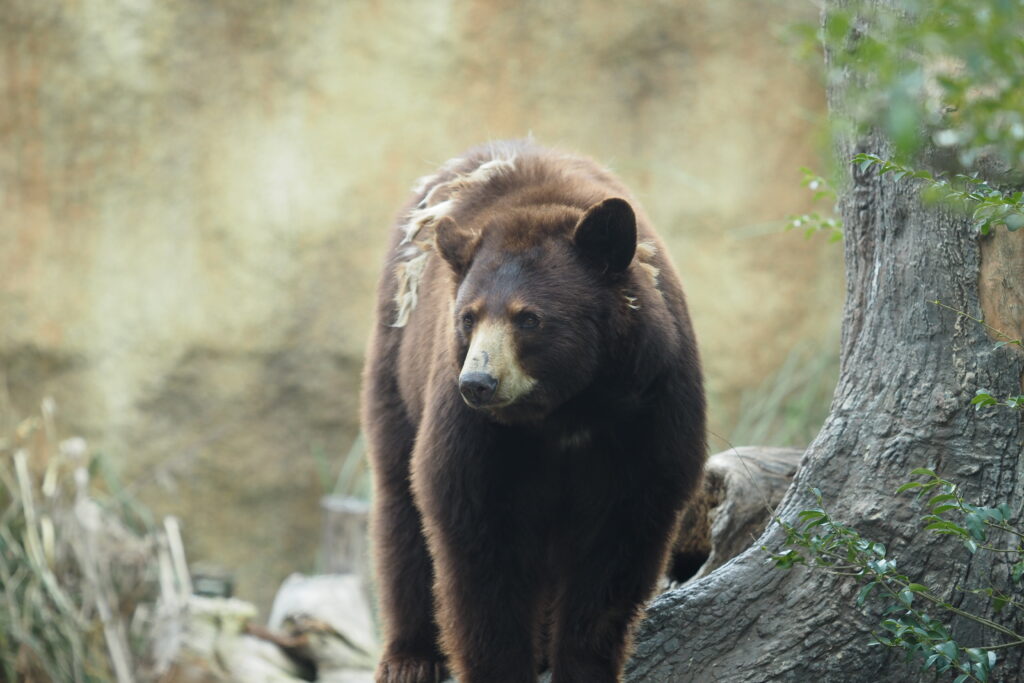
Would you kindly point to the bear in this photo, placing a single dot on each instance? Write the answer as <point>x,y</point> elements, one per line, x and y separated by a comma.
<point>534,412</point>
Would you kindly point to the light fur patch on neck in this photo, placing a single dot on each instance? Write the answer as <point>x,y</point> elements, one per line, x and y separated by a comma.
<point>440,198</point>
<point>492,350</point>
<point>645,252</point>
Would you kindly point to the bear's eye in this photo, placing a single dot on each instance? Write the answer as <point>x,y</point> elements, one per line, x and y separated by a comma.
<point>527,321</point>
<point>468,320</point>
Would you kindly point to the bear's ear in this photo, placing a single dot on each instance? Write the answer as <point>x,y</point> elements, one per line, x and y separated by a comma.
<point>455,244</point>
<point>606,235</point>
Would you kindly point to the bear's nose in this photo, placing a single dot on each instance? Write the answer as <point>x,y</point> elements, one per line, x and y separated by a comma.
<point>477,387</point>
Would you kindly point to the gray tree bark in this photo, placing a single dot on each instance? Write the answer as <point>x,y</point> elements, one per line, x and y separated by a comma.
<point>909,370</point>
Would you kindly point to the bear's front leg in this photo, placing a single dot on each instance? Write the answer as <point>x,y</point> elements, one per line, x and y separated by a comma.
<point>405,574</point>
<point>411,652</point>
<point>487,563</point>
<point>605,587</point>
<point>488,615</point>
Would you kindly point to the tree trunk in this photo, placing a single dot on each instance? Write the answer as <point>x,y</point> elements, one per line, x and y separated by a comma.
<point>909,370</point>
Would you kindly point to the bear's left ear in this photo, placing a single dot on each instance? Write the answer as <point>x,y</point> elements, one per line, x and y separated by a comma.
<point>455,244</point>
<point>606,235</point>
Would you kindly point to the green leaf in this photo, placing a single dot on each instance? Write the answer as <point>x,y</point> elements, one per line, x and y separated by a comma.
<point>994,514</point>
<point>917,588</point>
<point>948,649</point>
<point>971,546</point>
<point>941,498</point>
<point>946,527</point>
<point>909,485</point>
<point>1014,222</point>
<point>976,525</point>
<point>837,24</point>
<point>925,471</point>
<point>1018,571</point>
<point>983,399</point>
<point>787,559</point>
<point>892,625</point>
<point>881,566</point>
<point>864,592</point>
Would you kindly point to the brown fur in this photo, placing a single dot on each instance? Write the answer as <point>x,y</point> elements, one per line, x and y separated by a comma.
<point>692,546</point>
<point>510,537</point>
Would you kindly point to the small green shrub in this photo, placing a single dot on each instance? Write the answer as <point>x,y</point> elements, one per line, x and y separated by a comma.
<point>914,613</point>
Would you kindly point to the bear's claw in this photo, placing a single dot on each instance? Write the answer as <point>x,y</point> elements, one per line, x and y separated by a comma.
<point>409,670</point>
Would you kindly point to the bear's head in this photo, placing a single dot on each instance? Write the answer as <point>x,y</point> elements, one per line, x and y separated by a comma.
<point>536,292</point>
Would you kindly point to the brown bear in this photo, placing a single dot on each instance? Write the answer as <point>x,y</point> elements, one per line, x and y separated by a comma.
<point>534,410</point>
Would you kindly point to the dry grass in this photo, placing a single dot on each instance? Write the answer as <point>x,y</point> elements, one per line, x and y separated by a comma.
<point>790,406</point>
<point>92,591</point>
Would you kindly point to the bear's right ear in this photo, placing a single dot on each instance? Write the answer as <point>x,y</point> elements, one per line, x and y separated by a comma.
<point>606,235</point>
<point>455,244</point>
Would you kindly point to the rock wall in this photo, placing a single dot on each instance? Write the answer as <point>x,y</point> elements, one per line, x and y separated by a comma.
<point>194,198</point>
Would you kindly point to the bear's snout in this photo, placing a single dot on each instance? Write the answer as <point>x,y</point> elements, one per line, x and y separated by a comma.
<point>477,388</point>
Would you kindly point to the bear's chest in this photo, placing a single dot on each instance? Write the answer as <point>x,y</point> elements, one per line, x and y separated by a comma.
<point>572,440</point>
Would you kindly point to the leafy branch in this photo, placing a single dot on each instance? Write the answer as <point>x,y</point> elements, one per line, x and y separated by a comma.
<point>814,223</point>
<point>987,205</point>
<point>819,541</point>
<point>952,68</point>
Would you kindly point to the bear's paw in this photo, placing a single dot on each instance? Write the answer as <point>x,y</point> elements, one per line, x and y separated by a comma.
<point>410,670</point>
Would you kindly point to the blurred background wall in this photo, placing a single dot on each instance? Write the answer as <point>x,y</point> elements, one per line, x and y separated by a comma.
<point>194,198</point>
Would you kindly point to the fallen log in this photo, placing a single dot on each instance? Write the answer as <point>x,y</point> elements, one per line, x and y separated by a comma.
<point>741,486</point>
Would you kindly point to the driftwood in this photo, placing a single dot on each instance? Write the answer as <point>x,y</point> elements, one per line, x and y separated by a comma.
<point>320,628</point>
<point>740,488</point>
<point>331,614</point>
